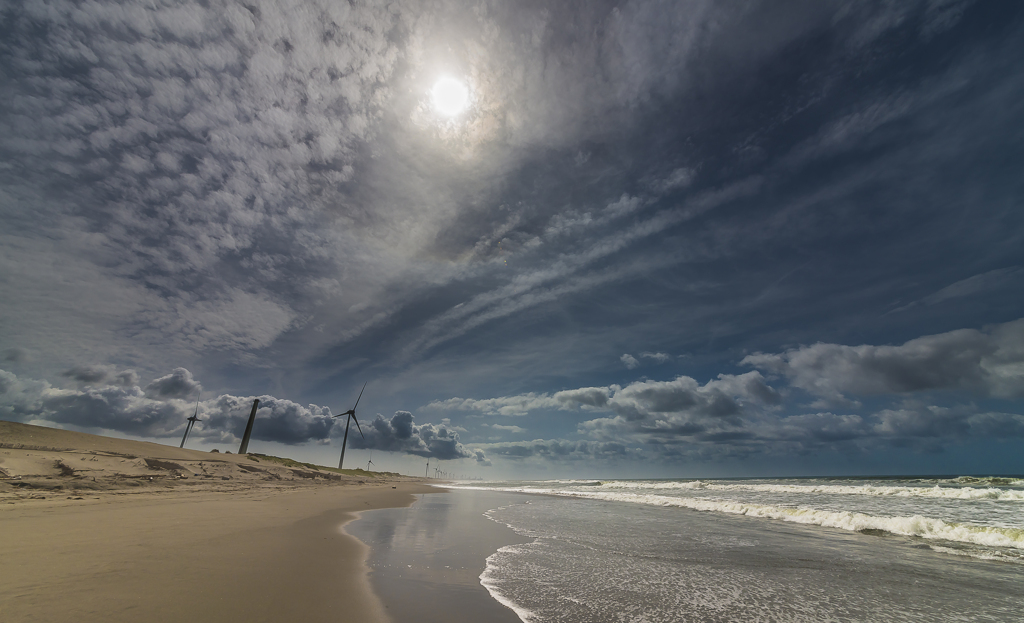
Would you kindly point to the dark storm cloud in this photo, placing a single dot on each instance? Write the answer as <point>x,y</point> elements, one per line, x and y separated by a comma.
<point>277,420</point>
<point>177,384</point>
<point>563,450</point>
<point>114,408</point>
<point>988,362</point>
<point>129,409</point>
<point>97,374</point>
<point>931,427</point>
<point>719,398</point>
<point>400,434</point>
<point>16,355</point>
<point>88,374</point>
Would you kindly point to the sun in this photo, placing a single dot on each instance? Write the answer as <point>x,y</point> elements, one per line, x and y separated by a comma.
<point>449,96</point>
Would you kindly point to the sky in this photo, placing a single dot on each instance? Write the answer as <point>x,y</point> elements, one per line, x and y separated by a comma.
<point>660,239</point>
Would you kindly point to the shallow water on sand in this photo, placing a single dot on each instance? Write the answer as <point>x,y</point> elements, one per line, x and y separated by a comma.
<point>568,559</point>
<point>597,560</point>
<point>426,560</point>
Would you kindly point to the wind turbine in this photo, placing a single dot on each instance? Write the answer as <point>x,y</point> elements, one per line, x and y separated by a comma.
<point>191,421</point>
<point>351,413</point>
<point>370,462</point>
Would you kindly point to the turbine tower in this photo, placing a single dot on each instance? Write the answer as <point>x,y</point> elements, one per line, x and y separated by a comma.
<point>191,421</point>
<point>351,413</point>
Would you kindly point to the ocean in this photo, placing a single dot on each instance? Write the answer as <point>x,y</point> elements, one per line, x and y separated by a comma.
<point>829,549</point>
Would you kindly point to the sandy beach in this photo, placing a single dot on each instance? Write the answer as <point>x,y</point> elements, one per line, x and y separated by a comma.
<point>100,529</point>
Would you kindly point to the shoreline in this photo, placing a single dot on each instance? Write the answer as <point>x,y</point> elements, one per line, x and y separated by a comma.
<point>427,561</point>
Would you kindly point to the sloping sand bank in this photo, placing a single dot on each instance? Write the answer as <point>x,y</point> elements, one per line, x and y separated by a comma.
<point>265,551</point>
<point>40,463</point>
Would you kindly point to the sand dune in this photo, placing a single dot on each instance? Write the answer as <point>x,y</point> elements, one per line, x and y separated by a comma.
<point>38,462</point>
<point>87,536</point>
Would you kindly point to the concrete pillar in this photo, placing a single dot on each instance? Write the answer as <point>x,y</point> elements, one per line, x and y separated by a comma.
<point>242,449</point>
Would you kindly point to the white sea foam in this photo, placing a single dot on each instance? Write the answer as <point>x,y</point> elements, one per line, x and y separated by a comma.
<point>918,526</point>
<point>957,493</point>
<point>983,555</point>
<point>488,579</point>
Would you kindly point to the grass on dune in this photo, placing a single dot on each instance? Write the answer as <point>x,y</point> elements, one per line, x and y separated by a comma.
<point>259,458</point>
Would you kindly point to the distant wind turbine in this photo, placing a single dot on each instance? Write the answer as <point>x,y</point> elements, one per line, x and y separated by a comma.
<point>370,462</point>
<point>191,421</point>
<point>351,413</point>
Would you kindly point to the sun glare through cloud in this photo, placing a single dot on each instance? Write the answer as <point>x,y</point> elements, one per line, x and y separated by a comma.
<point>556,223</point>
<point>449,96</point>
<point>750,272</point>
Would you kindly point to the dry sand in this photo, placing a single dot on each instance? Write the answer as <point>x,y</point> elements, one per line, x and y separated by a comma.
<point>97,540</point>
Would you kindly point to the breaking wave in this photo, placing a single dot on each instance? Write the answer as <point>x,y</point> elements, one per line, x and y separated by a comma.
<point>916,526</point>
<point>949,492</point>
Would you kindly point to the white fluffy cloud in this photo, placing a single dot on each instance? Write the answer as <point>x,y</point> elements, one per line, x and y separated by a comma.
<point>400,434</point>
<point>178,384</point>
<point>659,357</point>
<point>720,397</point>
<point>506,405</point>
<point>990,362</point>
<point>737,415</point>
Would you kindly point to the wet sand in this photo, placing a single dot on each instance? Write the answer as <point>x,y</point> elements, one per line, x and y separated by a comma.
<point>426,560</point>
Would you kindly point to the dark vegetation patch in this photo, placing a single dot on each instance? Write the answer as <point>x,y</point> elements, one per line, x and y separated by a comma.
<point>64,469</point>
<point>252,470</point>
<point>320,468</point>
<point>301,473</point>
<point>33,483</point>
<point>158,464</point>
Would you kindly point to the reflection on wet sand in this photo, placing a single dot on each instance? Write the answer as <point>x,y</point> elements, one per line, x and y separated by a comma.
<point>426,560</point>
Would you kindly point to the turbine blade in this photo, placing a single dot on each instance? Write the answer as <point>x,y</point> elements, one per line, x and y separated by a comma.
<point>357,426</point>
<point>357,399</point>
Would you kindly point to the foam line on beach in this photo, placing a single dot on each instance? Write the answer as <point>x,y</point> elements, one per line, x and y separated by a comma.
<point>958,493</point>
<point>917,526</point>
<point>489,581</point>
